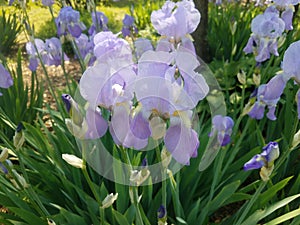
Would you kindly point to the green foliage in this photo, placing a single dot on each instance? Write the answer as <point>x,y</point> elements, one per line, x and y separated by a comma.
<point>142,10</point>
<point>20,101</point>
<point>229,29</point>
<point>9,31</point>
<point>46,30</point>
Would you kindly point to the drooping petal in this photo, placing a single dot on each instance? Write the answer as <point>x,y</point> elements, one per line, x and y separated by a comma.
<point>182,142</point>
<point>97,125</point>
<point>291,61</point>
<point>257,112</point>
<point>140,126</point>
<point>120,128</point>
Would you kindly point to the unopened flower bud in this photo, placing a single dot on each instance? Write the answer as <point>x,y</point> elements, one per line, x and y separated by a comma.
<point>138,177</point>
<point>265,172</point>
<point>73,160</point>
<point>242,77</point>
<point>109,200</point>
<point>162,215</point>
<point>166,157</point>
<point>4,154</point>
<point>256,79</point>
<point>77,131</point>
<point>51,222</point>
<point>20,179</point>
<point>296,140</point>
<point>19,138</point>
<point>73,109</point>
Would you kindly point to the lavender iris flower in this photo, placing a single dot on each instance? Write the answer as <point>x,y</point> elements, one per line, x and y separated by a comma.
<point>142,45</point>
<point>86,48</point>
<point>128,26</point>
<point>53,51</point>
<point>175,20</point>
<point>99,23</point>
<point>287,11</point>
<point>267,96</point>
<point>266,28</point>
<point>33,53</point>
<point>164,86</point>
<point>179,69</point>
<point>123,135</point>
<point>112,50</point>
<point>47,2</point>
<point>266,159</point>
<point>68,22</point>
<point>100,86</point>
<point>222,125</point>
<point>291,62</point>
<point>5,79</point>
<point>169,92</point>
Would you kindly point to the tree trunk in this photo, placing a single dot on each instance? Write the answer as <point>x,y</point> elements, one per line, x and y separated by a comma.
<point>200,34</point>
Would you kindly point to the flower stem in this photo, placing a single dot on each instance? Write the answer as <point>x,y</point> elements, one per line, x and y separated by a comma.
<point>133,189</point>
<point>91,184</point>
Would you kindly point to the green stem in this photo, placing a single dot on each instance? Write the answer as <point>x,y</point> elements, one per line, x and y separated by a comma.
<point>76,50</point>
<point>134,189</point>
<point>163,176</point>
<point>90,183</point>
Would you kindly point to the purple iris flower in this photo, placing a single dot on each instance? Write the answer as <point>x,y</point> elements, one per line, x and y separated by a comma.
<point>161,212</point>
<point>53,51</point>
<point>170,92</point>
<point>128,26</point>
<point>68,22</point>
<point>222,125</point>
<point>5,79</point>
<point>101,86</point>
<point>99,23</point>
<point>112,50</point>
<point>86,48</point>
<point>266,159</point>
<point>123,134</point>
<point>291,61</point>
<point>286,10</point>
<point>267,96</point>
<point>178,68</point>
<point>175,20</point>
<point>142,45</point>
<point>266,29</point>
<point>33,52</point>
<point>47,2</point>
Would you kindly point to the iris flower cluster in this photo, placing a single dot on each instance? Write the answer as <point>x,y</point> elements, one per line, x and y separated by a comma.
<point>50,52</point>
<point>269,94</point>
<point>266,29</point>
<point>151,98</point>
<point>269,27</point>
